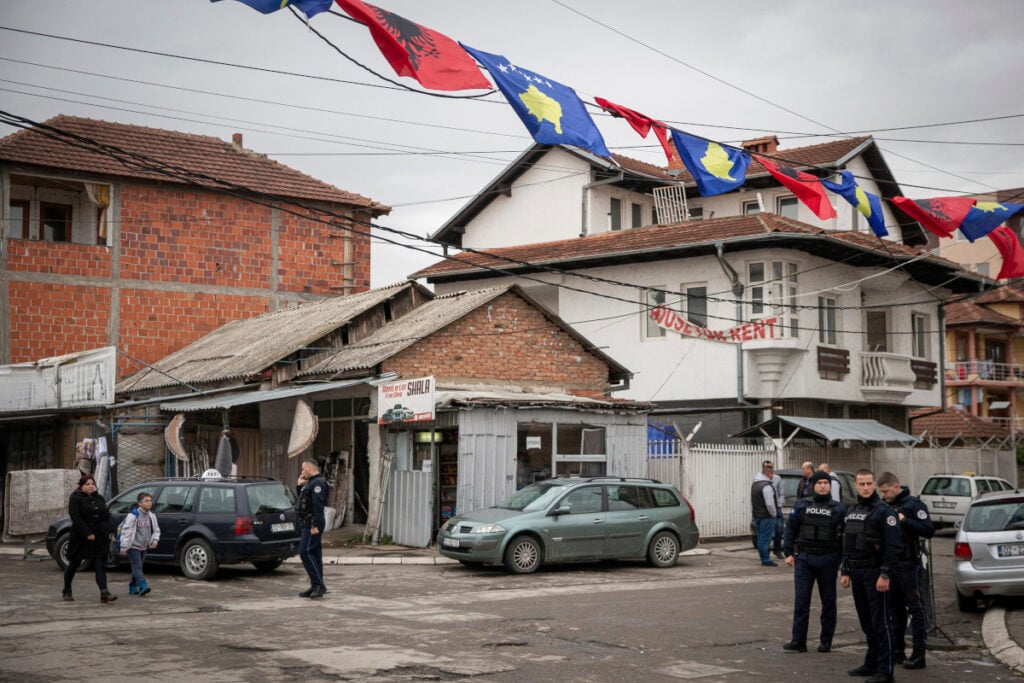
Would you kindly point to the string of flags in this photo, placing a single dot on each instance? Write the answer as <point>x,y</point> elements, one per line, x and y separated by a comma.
<point>554,115</point>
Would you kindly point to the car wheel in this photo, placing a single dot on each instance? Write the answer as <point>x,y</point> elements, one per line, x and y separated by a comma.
<point>967,603</point>
<point>197,560</point>
<point>267,565</point>
<point>61,552</point>
<point>663,550</point>
<point>522,556</point>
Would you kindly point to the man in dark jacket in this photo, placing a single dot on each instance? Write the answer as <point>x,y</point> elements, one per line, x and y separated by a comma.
<point>812,547</point>
<point>872,546</point>
<point>915,524</point>
<point>312,490</point>
<point>766,508</point>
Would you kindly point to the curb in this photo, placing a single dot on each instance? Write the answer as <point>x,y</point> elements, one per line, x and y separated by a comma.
<point>998,641</point>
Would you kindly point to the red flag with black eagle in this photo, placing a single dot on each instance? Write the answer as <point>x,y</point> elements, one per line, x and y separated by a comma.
<point>806,187</point>
<point>1013,254</point>
<point>640,123</point>
<point>432,58</point>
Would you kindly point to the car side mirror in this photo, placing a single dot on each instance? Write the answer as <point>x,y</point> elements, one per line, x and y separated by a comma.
<point>561,510</point>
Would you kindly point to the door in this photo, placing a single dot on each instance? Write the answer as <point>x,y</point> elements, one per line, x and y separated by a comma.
<point>579,532</point>
<point>216,511</point>
<point>173,506</point>
<point>628,520</point>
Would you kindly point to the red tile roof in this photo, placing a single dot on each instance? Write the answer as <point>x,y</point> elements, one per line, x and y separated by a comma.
<point>195,153</point>
<point>1000,295</point>
<point>970,313</point>
<point>643,167</point>
<point>952,423</point>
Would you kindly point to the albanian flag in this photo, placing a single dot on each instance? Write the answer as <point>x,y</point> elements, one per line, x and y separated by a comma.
<point>715,168</point>
<point>307,7</point>
<point>432,58</point>
<point>984,217</point>
<point>806,187</point>
<point>941,215</point>
<point>1009,246</point>
<point>640,123</point>
<point>870,205</point>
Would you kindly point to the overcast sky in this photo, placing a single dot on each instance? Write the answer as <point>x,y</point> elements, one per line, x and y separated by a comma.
<point>724,70</point>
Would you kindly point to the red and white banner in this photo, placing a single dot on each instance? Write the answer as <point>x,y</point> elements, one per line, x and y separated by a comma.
<point>751,331</point>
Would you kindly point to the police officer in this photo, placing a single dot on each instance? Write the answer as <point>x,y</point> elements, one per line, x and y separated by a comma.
<point>312,490</point>
<point>915,524</point>
<point>871,548</point>
<point>812,547</point>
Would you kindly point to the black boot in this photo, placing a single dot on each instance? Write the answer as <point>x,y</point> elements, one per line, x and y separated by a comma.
<point>67,595</point>
<point>105,596</point>
<point>916,660</point>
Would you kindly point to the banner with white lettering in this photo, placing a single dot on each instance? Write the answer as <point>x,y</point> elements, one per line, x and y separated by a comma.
<point>407,400</point>
<point>750,331</point>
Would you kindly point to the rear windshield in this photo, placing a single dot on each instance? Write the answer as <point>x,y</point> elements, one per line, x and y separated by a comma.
<point>947,486</point>
<point>269,497</point>
<point>532,497</point>
<point>1003,515</point>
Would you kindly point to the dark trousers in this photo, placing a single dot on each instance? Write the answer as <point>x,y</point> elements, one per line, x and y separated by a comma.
<point>136,558</point>
<point>98,565</point>
<point>906,599</point>
<point>873,613</point>
<point>810,569</point>
<point>780,525</point>
<point>312,555</point>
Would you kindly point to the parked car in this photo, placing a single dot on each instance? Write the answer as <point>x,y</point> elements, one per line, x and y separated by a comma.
<point>791,479</point>
<point>205,523</point>
<point>989,549</point>
<point>948,495</point>
<point>568,519</point>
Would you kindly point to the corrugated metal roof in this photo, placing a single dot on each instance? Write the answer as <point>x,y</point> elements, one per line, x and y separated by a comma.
<point>829,429</point>
<point>497,396</point>
<point>244,347</point>
<point>225,401</point>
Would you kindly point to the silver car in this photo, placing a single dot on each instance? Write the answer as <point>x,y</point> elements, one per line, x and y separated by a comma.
<point>558,520</point>
<point>989,551</point>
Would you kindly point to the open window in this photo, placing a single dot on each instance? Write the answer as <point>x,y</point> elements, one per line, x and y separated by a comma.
<point>58,210</point>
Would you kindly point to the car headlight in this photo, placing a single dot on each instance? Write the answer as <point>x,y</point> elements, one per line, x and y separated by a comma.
<point>488,529</point>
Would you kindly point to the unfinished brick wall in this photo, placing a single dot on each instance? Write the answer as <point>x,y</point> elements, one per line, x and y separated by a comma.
<point>506,341</point>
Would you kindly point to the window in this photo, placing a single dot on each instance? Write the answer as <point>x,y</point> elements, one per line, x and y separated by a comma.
<point>652,300</point>
<point>625,498</point>
<point>696,213</point>
<point>585,500</point>
<point>826,320</point>
<point>789,207</point>
<point>772,287</point>
<point>55,222</point>
<point>637,217</point>
<point>751,208</point>
<point>19,220</point>
<point>654,215</point>
<point>696,301</point>
<point>544,450</point>
<point>877,327</point>
<point>615,214</point>
<point>919,335</point>
<point>175,499</point>
<point>215,499</point>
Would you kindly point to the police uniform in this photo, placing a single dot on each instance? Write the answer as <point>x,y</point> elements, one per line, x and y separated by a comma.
<point>906,575</point>
<point>311,514</point>
<point>872,546</point>
<point>813,536</point>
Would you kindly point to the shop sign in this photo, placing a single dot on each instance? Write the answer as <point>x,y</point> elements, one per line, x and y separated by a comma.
<point>765,328</point>
<point>408,400</point>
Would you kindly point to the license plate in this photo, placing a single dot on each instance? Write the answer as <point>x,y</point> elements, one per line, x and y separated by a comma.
<point>1011,550</point>
<point>282,526</point>
<point>450,542</point>
<point>943,505</point>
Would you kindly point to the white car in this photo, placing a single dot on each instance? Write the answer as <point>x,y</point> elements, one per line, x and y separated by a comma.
<point>989,549</point>
<point>948,495</point>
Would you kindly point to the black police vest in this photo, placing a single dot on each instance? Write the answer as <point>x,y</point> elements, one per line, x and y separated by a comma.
<point>305,507</point>
<point>817,530</point>
<point>862,542</point>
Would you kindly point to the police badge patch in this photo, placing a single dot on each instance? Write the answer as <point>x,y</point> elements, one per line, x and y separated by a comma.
<point>316,489</point>
<point>891,521</point>
<point>921,514</point>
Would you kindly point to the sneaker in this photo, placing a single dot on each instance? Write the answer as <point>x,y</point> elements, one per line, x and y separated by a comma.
<point>793,646</point>
<point>144,589</point>
<point>133,590</point>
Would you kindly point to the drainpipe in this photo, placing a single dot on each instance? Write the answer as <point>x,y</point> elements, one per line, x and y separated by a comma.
<point>942,356</point>
<point>585,199</point>
<point>737,292</point>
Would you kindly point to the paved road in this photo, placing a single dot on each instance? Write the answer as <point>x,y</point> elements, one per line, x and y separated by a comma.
<point>714,617</point>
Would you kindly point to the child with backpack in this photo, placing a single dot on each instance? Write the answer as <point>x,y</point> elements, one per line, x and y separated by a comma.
<point>138,533</point>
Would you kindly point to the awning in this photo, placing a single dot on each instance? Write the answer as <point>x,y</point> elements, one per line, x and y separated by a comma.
<point>785,427</point>
<point>225,401</point>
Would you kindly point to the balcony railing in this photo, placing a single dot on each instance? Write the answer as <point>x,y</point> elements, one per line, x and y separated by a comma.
<point>886,377</point>
<point>984,370</point>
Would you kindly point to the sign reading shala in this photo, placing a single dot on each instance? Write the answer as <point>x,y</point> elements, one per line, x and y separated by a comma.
<point>407,400</point>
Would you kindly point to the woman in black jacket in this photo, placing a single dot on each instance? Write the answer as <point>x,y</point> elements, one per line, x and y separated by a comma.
<point>90,535</point>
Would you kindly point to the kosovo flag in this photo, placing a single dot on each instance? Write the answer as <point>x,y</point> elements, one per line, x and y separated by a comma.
<point>870,205</point>
<point>1009,246</point>
<point>716,169</point>
<point>307,7</point>
<point>941,215</point>
<point>984,217</point>
<point>432,58</point>
<point>552,112</point>
<point>806,187</point>
<point>640,123</point>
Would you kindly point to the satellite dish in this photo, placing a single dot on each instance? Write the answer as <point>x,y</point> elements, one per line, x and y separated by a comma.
<point>304,428</point>
<point>174,436</point>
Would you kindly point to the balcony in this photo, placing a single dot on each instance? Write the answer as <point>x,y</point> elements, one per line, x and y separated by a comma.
<point>975,371</point>
<point>887,377</point>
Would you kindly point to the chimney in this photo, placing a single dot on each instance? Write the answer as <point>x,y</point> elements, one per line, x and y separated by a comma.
<point>676,164</point>
<point>765,145</point>
<point>236,140</point>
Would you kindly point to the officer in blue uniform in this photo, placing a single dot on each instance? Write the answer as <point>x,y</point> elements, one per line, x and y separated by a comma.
<point>812,546</point>
<point>312,490</point>
<point>915,524</point>
<point>872,546</point>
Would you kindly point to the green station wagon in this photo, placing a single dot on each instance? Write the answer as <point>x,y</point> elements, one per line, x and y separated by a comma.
<point>561,520</point>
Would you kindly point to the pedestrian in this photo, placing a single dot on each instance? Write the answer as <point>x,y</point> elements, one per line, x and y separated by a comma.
<point>803,487</point>
<point>139,532</point>
<point>766,510</point>
<point>871,548</point>
<point>89,539</point>
<point>915,524</point>
<point>813,535</point>
<point>836,495</point>
<point>312,491</point>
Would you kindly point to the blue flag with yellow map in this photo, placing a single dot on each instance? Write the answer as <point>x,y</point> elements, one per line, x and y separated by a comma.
<point>870,205</point>
<point>984,217</point>
<point>552,112</point>
<point>716,168</point>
